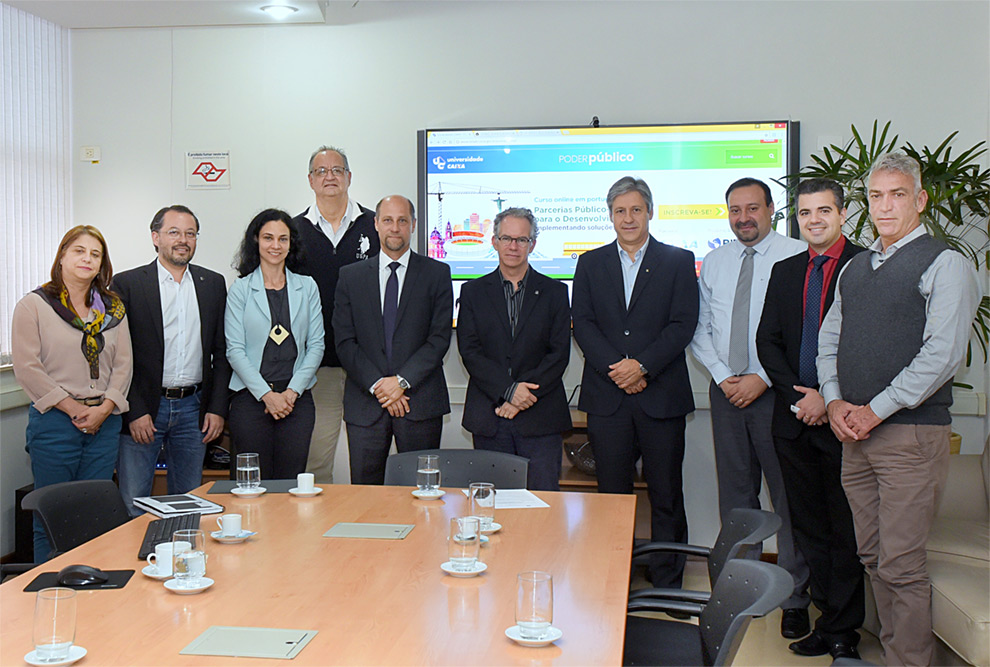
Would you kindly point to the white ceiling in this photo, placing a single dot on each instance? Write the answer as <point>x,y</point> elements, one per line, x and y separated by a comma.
<point>178,13</point>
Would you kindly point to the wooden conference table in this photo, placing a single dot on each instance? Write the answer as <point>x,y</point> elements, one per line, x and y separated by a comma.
<point>381,602</point>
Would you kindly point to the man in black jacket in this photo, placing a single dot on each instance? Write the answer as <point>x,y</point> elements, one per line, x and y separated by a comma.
<point>178,396</point>
<point>635,310</point>
<point>800,292</point>
<point>392,323</point>
<point>513,333</point>
<point>336,231</point>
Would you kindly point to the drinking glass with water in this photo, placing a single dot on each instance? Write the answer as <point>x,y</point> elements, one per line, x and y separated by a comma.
<point>482,497</point>
<point>534,604</point>
<point>248,471</point>
<point>54,624</point>
<point>462,546</point>
<point>188,562</point>
<point>428,473</point>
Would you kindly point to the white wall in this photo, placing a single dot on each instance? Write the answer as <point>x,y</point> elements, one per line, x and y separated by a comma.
<point>271,95</point>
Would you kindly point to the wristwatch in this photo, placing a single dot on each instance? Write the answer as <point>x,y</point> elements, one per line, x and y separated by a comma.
<point>404,383</point>
<point>642,369</point>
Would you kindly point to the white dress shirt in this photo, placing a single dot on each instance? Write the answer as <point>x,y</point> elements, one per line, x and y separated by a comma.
<point>952,294</point>
<point>384,272</point>
<point>183,362</point>
<point>314,216</point>
<point>630,268</point>
<point>717,287</point>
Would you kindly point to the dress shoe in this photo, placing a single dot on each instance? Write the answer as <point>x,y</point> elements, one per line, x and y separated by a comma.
<point>794,623</point>
<point>813,644</point>
<point>843,650</point>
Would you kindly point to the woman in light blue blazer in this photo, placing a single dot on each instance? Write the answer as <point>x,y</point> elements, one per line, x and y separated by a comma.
<point>274,328</point>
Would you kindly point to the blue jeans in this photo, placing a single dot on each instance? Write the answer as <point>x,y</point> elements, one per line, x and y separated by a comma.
<point>177,428</point>
<point>62,453</point>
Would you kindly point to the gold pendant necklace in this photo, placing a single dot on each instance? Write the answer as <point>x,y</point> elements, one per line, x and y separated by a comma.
<point>278,334</point>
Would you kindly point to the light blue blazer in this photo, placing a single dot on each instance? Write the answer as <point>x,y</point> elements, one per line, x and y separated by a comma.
<point>248,321</point>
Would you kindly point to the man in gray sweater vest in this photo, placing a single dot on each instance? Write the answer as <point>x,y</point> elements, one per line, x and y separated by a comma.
<point>888,349</point>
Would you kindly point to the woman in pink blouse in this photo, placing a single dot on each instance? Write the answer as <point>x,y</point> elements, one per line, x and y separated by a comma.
<point>72,357</point>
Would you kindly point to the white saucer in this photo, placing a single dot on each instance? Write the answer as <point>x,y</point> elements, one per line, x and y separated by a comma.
<point>306,494</point>
<point>76,652</point>
<point>479,567</point>
<point>494,529</point>
<point>233,539</point>
<point>553,634</point>
<point>204,583</point>
<point>248,493</point>
<point>152,571</point>
<point>428,495</point>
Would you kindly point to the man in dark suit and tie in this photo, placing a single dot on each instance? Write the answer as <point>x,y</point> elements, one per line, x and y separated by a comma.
<point>392,322</point>
<point>635,309</point>
<point>513,333</point>
<point>800,292</point>
<point>178,396</point>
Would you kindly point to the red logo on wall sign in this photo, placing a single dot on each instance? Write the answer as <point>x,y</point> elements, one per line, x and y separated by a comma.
<point>209,172</point>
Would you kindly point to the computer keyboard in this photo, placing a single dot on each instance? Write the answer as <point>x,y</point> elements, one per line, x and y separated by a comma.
<point>160,530</point>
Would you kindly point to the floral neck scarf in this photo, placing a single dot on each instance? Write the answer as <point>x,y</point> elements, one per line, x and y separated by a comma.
<point>108,312</point>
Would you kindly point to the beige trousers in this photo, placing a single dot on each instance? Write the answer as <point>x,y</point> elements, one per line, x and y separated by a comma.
<point>328,395</point>
<point>894,480</point>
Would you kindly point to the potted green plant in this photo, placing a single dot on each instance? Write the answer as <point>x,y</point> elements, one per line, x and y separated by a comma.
<point>958,210</point>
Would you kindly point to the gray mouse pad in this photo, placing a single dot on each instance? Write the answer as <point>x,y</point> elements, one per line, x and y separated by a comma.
<point>118,579</point>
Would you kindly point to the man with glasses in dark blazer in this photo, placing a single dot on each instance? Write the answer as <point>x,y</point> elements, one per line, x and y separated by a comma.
<point>513,333</point>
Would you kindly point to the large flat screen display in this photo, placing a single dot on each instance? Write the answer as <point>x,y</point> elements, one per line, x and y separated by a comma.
<point>466,176</point>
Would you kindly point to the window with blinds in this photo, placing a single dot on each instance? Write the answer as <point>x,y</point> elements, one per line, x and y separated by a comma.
<point>34,56</point>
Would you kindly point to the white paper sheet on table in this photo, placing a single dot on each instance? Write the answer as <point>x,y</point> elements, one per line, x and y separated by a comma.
<point>515,499</point>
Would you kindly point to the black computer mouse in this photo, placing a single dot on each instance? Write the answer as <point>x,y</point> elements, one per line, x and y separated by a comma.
<point>81,575</point>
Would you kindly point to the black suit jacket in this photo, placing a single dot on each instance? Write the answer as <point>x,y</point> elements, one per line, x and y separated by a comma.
<point>142,298</point>
<point>421,339</point>
<point>494,359</point>
<point>778,338</point>
<point>655,329</point>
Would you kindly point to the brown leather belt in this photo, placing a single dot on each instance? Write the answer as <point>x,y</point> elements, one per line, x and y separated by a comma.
<point>91,402</point>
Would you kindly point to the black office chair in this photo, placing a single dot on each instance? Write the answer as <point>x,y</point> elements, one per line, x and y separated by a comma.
<point>460,467</point>
<point>76,512</point>
<point>746,589</point>
<point>742,530</point>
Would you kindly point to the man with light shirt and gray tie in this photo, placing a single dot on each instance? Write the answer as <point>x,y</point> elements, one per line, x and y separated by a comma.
<point>889,402</point>
<point>733,285</point>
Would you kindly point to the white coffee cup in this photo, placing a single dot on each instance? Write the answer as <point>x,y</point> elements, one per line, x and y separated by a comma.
<point>305,482</point>
<point>230,525</point>
<point>161,558</point>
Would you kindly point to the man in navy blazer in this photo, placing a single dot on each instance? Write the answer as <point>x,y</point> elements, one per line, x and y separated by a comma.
<point>513,333</point>
<point>809,453</point>
<point>392,322</point>
<point>179,392</point>
<point>635,309</point>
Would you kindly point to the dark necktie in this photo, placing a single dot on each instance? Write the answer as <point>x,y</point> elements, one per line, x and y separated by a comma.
<point>807,371</point>
<point>390,308</point>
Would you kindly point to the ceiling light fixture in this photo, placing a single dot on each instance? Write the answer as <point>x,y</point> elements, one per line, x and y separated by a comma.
<point>279,12</point>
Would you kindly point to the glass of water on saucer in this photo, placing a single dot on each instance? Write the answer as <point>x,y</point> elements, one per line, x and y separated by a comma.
<point>188,564</point>
<point>248,471</point>
<point>428,473</point>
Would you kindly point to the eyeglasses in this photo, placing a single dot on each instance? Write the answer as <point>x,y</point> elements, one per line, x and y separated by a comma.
<point>320,172</point>
<point>509,240</point>
<point>174,234</point>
